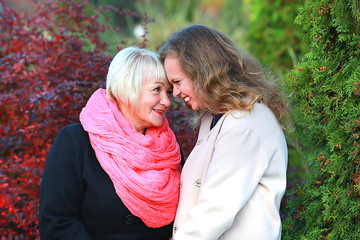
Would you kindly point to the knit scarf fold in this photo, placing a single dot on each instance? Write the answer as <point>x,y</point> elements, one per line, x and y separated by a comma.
<point>144,169</point>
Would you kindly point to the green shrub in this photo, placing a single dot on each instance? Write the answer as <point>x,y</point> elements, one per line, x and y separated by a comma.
<point>275,39</point>
<point>228,16</point>
<point>326,111</point>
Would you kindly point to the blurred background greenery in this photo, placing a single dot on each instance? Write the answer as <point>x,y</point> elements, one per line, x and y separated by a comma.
<point>263,27</point>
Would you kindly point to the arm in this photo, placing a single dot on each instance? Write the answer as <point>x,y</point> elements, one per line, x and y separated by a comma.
<point>238,163</point>
<point>62,190</point>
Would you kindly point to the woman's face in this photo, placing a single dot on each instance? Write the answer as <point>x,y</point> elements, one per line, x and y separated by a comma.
<point>182,85</point>
<point>153,103</point>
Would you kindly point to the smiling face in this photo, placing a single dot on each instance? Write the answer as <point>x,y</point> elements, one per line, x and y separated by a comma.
<point>153,103</point>
<point>182,85</point>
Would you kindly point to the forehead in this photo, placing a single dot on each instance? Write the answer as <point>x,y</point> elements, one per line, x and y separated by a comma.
<point>156,81</point>
<point>173,69</point>
<point>172,64</point>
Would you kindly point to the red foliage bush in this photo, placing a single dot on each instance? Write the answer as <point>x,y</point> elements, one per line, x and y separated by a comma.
<point>50,63</point>
<point>179,118</point>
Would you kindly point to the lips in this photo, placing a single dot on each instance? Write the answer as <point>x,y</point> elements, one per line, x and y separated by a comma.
<point>159,111</point>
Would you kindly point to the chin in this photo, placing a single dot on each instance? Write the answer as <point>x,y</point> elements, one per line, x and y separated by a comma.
<point>195,108</point>
<point>157,124</point>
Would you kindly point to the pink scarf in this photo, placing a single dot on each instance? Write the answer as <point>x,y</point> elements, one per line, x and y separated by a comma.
<point>144,169</point>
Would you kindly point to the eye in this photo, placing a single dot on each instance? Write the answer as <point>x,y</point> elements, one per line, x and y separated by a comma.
<point>169,92</point>
<point>156,89</point>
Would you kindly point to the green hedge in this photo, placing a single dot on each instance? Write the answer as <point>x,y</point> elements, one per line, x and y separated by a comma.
<point>326,111</point>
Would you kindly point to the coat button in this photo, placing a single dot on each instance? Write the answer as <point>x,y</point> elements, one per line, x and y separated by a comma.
<point>197,183</point>
<point>130,219</point>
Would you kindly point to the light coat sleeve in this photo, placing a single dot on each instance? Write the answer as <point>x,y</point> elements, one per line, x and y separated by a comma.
<point>238,163</point>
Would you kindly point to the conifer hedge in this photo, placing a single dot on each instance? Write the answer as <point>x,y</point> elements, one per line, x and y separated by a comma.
<point>326,111</point>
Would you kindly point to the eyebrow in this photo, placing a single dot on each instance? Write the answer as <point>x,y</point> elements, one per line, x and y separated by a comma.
<point>173,80</point>
<point>158,83</point>
<point>161,83</point>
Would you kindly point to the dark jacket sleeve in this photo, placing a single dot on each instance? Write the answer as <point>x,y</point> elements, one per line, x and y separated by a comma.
<point>182,162</point>
<point>62,190</point>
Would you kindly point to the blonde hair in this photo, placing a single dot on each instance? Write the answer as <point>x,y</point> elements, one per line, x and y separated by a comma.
<point>128,70</point>
<point>224,77</point>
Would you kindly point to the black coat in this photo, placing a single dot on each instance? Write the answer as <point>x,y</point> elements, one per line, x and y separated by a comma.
<point>78,199</point>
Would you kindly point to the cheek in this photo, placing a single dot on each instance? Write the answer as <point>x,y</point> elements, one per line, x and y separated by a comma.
<point>190,90</point>
<point>189,87</point>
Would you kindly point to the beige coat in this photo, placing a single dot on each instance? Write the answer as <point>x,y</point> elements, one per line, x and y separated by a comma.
<point>234,179</point>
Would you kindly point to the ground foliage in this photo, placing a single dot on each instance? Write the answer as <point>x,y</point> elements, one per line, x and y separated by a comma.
<point>326,110</point>
<point>50,63</point>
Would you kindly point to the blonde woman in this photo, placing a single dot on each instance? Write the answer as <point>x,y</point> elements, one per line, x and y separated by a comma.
<point>116,174</point>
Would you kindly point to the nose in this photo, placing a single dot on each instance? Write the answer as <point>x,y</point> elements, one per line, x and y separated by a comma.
<point>165,100</point>
<point>176,91</point>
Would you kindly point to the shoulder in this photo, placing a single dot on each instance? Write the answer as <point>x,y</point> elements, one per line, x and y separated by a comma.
<point>73,134</point>
<point>70,147</point>
<point>260,116</point>
<point>260,122</point>
<point>75,128</point>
